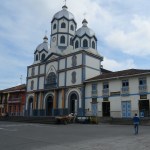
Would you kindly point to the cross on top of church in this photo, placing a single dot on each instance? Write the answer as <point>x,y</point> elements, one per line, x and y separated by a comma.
<point>84,14</point>
<point>45,32</point>
<point>65,1</point>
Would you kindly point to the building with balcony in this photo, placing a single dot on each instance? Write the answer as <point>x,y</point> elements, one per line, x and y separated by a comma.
<point>12,100</point>
<point>120,94</point>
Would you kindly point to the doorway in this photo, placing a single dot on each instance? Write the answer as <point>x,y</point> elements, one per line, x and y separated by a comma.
<point>106,109</point>
<point>144,108</point>
<point>126,109</point>
<point>49,106</point>
<point>30,107</point>
<point>73,103</point>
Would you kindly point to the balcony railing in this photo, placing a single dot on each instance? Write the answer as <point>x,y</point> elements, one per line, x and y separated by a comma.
<point>105,92</point>
<point>125,90</point>
<point>94,93</point>
<point>142,88</point>
<point>15,113</point>
<point>50,86</point>
<point>15,100</point>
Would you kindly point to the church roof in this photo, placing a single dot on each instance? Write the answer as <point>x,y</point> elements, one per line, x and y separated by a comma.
<point>64,13</point>
<point>85,30</point>
<point>43,46</point>
<point>119,74</point>
<point>21,87</point>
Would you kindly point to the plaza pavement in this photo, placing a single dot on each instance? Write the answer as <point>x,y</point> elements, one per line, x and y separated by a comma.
<point>23,136</point>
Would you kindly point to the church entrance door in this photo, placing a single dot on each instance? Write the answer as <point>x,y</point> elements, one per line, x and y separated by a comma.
<point>73,103</point>
<point>30,107</point>
<point>49,106</point>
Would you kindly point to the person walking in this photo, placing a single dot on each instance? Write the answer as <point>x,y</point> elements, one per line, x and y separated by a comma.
<point>136,121</point>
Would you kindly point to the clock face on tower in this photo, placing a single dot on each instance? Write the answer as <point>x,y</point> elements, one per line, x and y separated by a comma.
<point>54,39</point>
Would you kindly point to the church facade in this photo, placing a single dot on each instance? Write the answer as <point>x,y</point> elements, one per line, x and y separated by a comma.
<point>67,77</point>
<point>55,79</point>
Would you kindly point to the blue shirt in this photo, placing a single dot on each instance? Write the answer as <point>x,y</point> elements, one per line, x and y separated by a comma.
<point>136,120</point>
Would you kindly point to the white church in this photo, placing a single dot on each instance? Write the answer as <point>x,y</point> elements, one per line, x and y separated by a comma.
<point>67,76</point>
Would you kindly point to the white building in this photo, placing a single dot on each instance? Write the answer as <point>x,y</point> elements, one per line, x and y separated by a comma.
<point>66,76</point>
<point>119,94</point>
<point>55,79</point>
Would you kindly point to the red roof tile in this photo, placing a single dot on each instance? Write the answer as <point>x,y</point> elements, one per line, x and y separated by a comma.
<point>16,88</point>
<point>117,74</point>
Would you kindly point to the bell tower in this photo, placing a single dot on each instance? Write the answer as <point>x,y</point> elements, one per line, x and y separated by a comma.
<point>63,28</point>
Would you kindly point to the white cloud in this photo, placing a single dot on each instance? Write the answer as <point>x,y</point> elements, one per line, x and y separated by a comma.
<point>111,64</point>
<point>133,42</point>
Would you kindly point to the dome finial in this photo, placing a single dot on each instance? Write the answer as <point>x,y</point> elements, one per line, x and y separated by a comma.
<point>45,39</point>
<point>84,22</point>
<point>65,7</point>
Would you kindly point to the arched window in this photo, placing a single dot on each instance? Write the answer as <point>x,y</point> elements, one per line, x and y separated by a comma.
<point>85,43</point>
<point>33,71</point>
<point>62,39</point>
<point>74,60</point>
<point>71,41</point>
<point>43,57</point>
<point>51,78</point>
<point>63,25</point>
<point>32,85</point>
<point>76,44</point>
<point>93,45</point>
<point>37,57</point>
<point>54,26</point>
<point>72,27</point>
<point>73,77</point>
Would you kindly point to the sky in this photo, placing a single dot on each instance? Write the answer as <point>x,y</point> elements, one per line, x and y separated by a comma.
<point>122,28</point>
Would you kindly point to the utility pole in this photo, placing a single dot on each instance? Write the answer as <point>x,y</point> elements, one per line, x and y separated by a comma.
<point>21,79</point>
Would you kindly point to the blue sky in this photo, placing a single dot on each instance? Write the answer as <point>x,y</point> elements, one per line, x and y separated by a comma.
<point>121,26</point>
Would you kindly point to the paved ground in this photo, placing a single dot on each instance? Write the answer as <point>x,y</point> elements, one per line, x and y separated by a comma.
<point>16,136</point>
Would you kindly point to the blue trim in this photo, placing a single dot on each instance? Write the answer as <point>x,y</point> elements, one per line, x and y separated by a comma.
<point>117,95</point>
<point>37,100</point>
<point>83,68</point>
<point>80,41</point>
<point>68,39</point>
<point>65,72</point>
<point>65,99</point>
<point>57,33</point>
<point>94,56</point>
<point>58,73</point>
<point>90,43</point>
<point>83,59</point>
<point>57,92</point>
<point>38,77</point>
<point>83,100</point>
<point>43,100</point>
<point>44,76</point>
<point>93,68</point>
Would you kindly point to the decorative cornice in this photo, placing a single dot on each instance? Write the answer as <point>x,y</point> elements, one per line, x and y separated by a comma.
<point>63,18</point>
